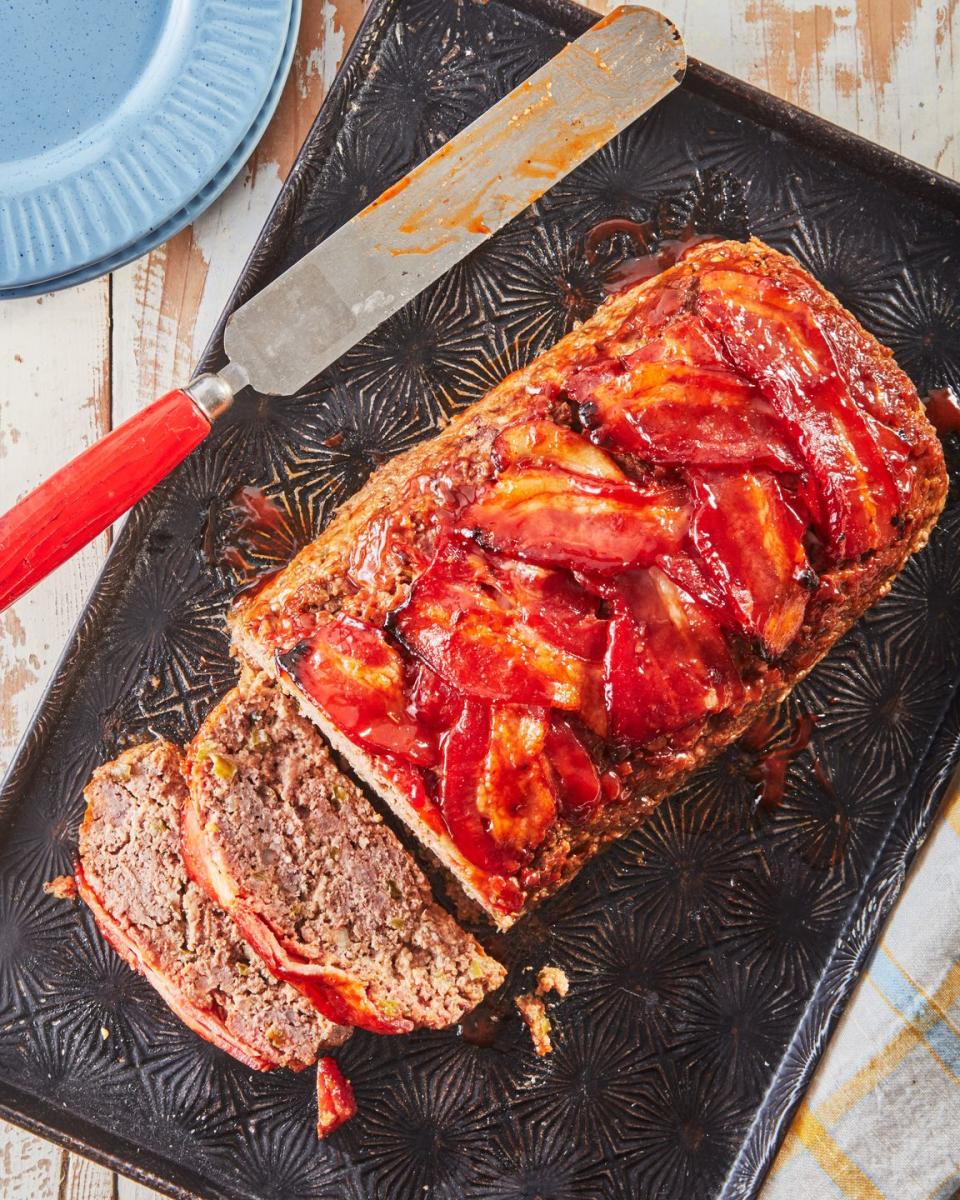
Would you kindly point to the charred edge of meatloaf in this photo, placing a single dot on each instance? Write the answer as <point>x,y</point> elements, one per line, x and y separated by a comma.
<point>129,857</point>
<point>319,865</point>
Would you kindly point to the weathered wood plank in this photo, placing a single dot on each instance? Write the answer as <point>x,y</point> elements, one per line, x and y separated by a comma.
<point>128,1190</point>
<point>30,1168</point>
<point>87,1181</point>
<point>54,399</point>
<point>886,69</point>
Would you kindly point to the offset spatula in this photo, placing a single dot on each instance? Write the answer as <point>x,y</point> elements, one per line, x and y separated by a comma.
<point>335,295</point>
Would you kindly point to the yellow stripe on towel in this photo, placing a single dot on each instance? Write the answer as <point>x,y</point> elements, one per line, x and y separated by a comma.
<point>883,1063</point>
<point>849,1178</point>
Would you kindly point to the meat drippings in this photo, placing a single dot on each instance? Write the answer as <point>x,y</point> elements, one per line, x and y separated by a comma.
<point>249,526</point>
<point>772,761</point>
<point>651,254</point>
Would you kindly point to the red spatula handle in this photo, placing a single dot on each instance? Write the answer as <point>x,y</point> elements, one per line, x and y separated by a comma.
<point>60,516</point>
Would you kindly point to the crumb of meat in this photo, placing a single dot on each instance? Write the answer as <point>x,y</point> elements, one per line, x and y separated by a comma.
<point>534,1014</point>
<point>64,887</point>
<point>552,979</point>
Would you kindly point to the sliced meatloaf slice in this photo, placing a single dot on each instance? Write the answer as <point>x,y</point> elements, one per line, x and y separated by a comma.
<point>132,878</point>
<point>315,881</point>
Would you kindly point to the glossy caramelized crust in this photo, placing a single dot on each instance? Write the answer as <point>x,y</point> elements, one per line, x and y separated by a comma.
<point>527,631</point>
<point>132,878</point>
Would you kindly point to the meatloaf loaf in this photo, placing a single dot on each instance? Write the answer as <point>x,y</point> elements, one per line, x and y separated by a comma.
<point>131,876</point>
<point>527,631</point>
<point>314,879</point>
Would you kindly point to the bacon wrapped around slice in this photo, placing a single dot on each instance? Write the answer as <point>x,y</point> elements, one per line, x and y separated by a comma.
<point>774,339</point>
<point>667,665</point>
<point>547,516</point>
<point>750,541</point>
<point>682,414</point>
<point>350,671</point>
<point>498,794</point>
<point>469,617</point>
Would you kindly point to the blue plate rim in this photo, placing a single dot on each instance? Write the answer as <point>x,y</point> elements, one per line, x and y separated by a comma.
<point>206,194</point>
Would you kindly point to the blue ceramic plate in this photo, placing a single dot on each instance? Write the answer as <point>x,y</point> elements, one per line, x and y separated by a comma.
<point>201,201</point>
<point>122,121</point>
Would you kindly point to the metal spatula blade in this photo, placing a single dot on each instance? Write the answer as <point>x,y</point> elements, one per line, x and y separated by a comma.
<point>452,202</point>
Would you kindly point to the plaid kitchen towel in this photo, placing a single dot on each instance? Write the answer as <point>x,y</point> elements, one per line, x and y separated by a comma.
<point>881,1120</point>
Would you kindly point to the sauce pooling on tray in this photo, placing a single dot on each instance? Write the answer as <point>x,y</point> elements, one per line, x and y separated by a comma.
<point>249,526</point>
<point>257,518</point>
<point>652,254</point>
<point>773,758</point>
<point>481,1026</point>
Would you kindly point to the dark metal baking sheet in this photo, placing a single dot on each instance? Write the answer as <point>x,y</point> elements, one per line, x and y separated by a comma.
<point>710,953</point>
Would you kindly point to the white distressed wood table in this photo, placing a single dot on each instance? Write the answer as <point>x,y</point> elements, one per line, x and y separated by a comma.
<point>74,363</point>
